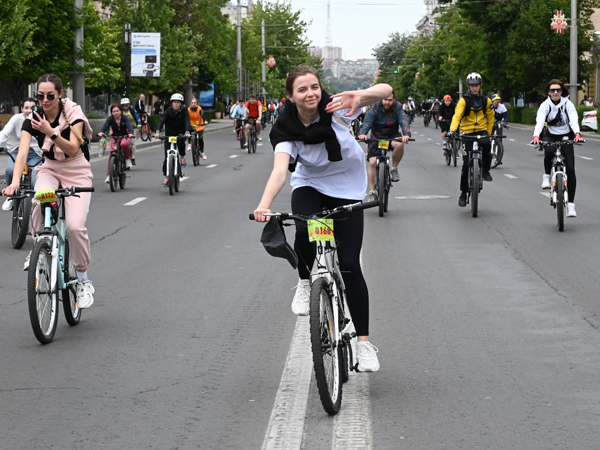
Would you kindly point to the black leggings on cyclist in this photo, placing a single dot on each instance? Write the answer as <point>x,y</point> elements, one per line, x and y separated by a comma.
<point>349,236</point>
<point>486,157</point>
<point>180,147</point>
<point>200,140</point>
<point>568,153</point>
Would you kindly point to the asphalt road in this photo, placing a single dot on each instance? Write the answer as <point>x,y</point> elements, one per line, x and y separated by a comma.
<point>487,327</point>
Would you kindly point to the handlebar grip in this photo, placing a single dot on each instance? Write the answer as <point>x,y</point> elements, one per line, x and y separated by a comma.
<point>251,216</point>
<point>365,205</point>
<point>83,189</point>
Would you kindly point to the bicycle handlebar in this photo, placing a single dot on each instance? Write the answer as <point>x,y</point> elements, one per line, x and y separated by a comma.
<point>324,214</point>
<point>164,136</point>
<point>63,192</point>
<point>378,140</point>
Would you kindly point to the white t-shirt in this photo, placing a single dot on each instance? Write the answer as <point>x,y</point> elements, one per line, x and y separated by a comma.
<point>346,179</point>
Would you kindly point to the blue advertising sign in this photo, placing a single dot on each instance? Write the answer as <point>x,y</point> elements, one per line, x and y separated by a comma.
<point>207,98</point>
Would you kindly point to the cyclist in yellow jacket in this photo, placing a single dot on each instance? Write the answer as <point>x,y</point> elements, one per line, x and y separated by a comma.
<point>474,114</point>
<point>197,123</point>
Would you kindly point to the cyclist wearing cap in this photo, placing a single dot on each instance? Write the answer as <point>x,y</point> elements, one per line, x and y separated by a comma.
<point>474,115</point>
<point>176,122</point>
<point>500,111</point>
<point>135,120</point>
<point>445,114</point>
<point>385,120</point>
<point>253,111</point>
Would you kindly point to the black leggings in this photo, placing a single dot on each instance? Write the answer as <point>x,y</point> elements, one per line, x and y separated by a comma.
<point>486,157</point>
<point>349,235</point>
<point>569,157</point>
<point>180,147</point>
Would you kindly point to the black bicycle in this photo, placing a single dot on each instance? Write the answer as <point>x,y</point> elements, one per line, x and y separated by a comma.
<point>330,332</point>
<point>197,144</point>
<point>252,137</point>
<point>21,207</point>
<point>117,168</point>
<point>426,118</point>
<point>453,146</point>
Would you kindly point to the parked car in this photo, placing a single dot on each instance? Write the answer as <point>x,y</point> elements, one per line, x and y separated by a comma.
<point>589,121</point>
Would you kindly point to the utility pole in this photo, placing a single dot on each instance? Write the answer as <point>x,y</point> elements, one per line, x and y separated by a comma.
<point>78,75</point>
<point>239,48</point>
<point>573,66</point>
<point>127,57</point>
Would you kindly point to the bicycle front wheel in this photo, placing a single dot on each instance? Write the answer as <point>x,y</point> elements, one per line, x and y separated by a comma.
<point>326,352</point>
<point>476,187</point>
<point>381,188</point>
<point>20,222</point>
<point>113,173</point>
<point>454,155</point>
<point>195,151</point>
<point>560,202</point>
<point>41,294</point>
<point>172,175</point>
<point>448,156</point>
<point>122,172</point>
<point>69,294</point>
<point>145,133</point>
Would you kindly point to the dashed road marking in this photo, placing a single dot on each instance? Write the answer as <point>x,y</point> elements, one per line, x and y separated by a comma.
<point>184,178</point>
<point>508,175</point>
<point>210,166</point>
<point>135,201</point>
<point>234,156</point>
<point>586,158</point>
<point>546,194</point>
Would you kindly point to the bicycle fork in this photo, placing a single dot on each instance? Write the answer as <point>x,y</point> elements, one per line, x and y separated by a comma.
<point>556,187</point>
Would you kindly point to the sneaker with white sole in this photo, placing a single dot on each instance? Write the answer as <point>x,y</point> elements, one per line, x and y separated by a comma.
<point>372,196</point>
<point>203,155</point>
<point>259,138</point>
<point>571,210</point>
<point>301,302</point>
<point>107,179</point>
<point>546,182</point>
<point>26,265</point>
<point>85,294</point>
<point>8,204</point>
<point>394,174</point>
<point>128,164</point>
<point>366,353</point>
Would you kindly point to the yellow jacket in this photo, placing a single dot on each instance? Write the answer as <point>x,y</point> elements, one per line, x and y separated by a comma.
<point>196,119</point>
<point>479,119</point>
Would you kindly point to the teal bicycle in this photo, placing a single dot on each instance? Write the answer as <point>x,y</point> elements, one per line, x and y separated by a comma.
<point>51,272</point>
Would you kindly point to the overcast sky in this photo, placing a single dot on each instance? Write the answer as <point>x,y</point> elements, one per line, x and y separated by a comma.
<point>359,25</point>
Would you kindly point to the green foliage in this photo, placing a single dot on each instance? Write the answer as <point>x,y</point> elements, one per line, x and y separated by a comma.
<point>514,113</point>
<point>16,38</point>
<point>528,116</point>
<point>153,121</point>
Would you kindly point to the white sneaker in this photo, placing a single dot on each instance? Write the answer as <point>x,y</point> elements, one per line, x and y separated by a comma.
<point>259,138</point>
<point>107,180</point>
<point>8,204</point>
<point>367,357</point>
<point>26,265</point>
<point>128,164</point>
<point>394,175</point>
<point>301,302</point>
<point>203,155</point>
<point>85,294</point>
<point>546,182</point>
<point>571,210</point>
<point>372,197</point>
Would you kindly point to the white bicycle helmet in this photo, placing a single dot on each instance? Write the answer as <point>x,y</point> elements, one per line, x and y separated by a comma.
<point>473,78</point>
<point>125,101</point>
<point>177,97</point>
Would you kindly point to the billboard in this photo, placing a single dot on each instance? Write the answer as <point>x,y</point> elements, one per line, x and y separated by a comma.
<point>145,55</point>
<point>207,98</point>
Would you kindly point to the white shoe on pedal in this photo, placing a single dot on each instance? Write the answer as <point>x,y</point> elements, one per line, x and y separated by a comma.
<point>128,164</point>
<point>366,353</point>
<point>8,204</point>
<point>571,210</point>
<point>546,182</point>
<point>26,265</point>
<point>107,179</point>
<point>301,302</point>
<point>85,294</point>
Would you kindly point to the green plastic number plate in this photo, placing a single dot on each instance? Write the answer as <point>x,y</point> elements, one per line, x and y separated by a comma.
<point>46,196</point>
<point>173,139</point>
<point>384,144</point>
<point>320,230</point>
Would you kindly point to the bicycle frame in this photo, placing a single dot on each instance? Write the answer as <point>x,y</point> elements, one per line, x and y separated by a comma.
<point>558,168</point>
<point>173,151</point>
<point>474,158</point>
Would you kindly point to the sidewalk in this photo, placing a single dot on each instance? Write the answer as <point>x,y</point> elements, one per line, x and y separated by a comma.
<point>214,126</point>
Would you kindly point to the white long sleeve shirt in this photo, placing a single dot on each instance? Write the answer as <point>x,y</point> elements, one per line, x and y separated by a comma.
<point>548,111</point>
<point>10,135</point>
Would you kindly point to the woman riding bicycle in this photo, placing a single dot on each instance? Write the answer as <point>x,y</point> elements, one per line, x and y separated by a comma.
<point>197,123</point>
<point>328,171</point>
<point>445,114</point>
<point>119,125</point>
<point>384,120</point>
<point>59,132</point>
<point>136,122</point>
<point>176,122</point>
<point>562,121</point>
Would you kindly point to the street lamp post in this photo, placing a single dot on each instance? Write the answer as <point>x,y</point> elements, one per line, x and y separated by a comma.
<point>239,49</point>
<point>573,66</point>
<point>127,57</point>
<point>78,76</point>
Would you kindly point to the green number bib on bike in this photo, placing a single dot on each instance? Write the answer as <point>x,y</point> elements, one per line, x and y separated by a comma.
<point>173,139</point>
<point>320,230</point>
<point>384,145</point>
<point>46,196</point>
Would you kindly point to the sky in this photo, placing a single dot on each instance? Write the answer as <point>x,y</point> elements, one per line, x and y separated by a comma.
<point>358,26</point>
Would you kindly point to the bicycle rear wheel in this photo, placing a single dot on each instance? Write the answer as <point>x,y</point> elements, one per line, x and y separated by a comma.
<point>381,188</point>
<point>172,175</point>
<point>113,175</point>
<point>122,172</point>
<point>476,187</point>
<point>326,354</point>
<point>560,202</point>
<point>454,155</point>
<point>69,295</point>
<point>41,295</point>
<point>195,152</point>
<point>20,222</point>
<point>448,156</point>
<point>145,133</point>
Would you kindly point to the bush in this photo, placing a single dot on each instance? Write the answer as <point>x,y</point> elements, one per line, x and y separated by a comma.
<point>528,116</point>
<point>514,113</point>
<point>220,106</point>
<point>153,121</point>
<point>208,116</point>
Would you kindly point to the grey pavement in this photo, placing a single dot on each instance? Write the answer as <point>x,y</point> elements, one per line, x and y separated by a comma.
<point>214,126</point>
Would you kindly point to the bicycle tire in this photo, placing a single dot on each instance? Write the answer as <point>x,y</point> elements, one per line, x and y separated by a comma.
<point>171,175</point>
<point>69,295</point>
<point>195,152</point>
<point>113,176</point>
<point>20,222</point>
<point>448,156</point>
<point>145,133</point>
<point>242,138</point>
<point>249,142</point>
<point>326,355</point>
<point>344,363</point>
<point>178,176</point>
<point>388,186</point>
<point>560,202</point>
<point>42,298</point>
<point>122,172</point>
<point>381,187</point>
<point>476,187</point>
<point>454,155</point>
<point>254,141</point>
<point>500,152</point>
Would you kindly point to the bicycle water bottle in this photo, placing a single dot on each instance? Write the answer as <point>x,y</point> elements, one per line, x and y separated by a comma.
<point>101,146</point>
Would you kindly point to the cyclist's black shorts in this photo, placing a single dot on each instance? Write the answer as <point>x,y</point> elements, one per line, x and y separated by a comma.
<point>444,125</point>
<point>373,148</point>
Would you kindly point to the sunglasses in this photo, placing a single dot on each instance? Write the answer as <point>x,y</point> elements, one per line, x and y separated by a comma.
<point>50,96</point>
<point>555,90</point>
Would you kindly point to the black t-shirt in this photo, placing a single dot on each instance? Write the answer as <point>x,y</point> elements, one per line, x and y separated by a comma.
<point>41,137</point>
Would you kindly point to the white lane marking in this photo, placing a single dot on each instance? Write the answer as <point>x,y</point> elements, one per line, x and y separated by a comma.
<point>135,201</point>
<point>586,158</point>
<point>437,143</point>
<point>234,156</point>
<point>511,140</point>
<point>184,178</point>
<point>546,194</point>
<point>508,175</point>
<point>210,166</point>
<point>429,139</point>
<point>422,197</point>
<point>286,424</point>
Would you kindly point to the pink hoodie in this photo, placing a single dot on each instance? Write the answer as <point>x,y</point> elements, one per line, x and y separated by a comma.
<point>73,112</point>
